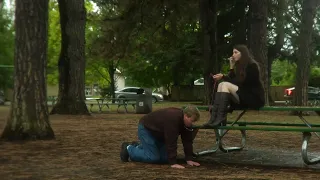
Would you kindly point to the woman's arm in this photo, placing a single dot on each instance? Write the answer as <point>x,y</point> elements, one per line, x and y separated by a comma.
<point>231,75</point>
<point>232,78</point>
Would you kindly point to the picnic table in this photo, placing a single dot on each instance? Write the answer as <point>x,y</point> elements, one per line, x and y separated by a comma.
<point>106,102</point>
<point>305,128</point>
<point>53,99</point>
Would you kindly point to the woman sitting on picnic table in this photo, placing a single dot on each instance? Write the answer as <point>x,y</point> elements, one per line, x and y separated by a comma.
<point>241,88</point>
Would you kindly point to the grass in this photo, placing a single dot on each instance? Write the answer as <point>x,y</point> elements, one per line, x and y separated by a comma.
<point>87,147</point>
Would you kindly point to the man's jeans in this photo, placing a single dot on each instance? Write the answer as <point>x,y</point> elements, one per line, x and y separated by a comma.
<point>150,150</point>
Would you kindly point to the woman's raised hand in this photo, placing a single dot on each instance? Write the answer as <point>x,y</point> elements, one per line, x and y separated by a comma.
<point>232,62</point>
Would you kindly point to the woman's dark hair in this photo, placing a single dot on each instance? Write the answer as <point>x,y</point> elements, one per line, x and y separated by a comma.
<point>245,59</point>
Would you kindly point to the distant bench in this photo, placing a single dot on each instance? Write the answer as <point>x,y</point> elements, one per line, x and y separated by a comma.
<point>106,102</point>
<point>305,128</point>
<point>53,99</point>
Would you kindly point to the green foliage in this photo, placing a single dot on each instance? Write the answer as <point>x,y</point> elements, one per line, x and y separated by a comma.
<point>97,65</point>
<point>7,49</point>
<point>54,43</point>
<point>162,43</point>
<point>157,64</point>
<point>283,73</point>
<point>96,73</point>
<point>163,48</point>
<point>315,77</point>
<point>149,48</point>
<point>225,68</point>
<point>54,46</point>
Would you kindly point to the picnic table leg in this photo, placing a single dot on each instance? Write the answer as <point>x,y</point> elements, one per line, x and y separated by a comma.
<point>91,105</point>
<point>229,149</point>
<point>307,123</point>
<point>125,108</point>
<point>220,134</point>
<point>212,150</point>
<point>124,104</point>
<point>118,108</point>
<point>107,105</point>
<point>223,132</point>
<point>100,105</point>
<point>304,150</point>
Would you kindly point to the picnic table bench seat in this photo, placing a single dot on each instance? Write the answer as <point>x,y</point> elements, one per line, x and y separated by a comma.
<point>305,128</point>
<point>272,108</point>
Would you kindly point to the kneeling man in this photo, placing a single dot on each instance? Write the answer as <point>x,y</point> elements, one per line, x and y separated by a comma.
<point>158,133</point>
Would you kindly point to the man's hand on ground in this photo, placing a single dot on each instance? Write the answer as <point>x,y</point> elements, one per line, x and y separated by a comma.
<point>192,163</point>
<point>178,166</point>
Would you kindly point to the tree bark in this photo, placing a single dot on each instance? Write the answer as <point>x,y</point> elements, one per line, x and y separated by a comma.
<point>241,34</point>
<point>28,118</point>
<point>275,50</point>
<point>208,22</point>
<point>176,68</point>
<point>71,97</point>
<point>1,5</point>
<point>258,39</point>
<point>308,14</point>
<point>111,71</point>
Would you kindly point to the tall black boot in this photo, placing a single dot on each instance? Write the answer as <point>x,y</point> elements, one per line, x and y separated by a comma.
<point>221,115</point>
<point>214,110</point>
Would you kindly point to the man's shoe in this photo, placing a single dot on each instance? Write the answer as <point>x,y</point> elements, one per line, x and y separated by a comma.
<point>124,155</point>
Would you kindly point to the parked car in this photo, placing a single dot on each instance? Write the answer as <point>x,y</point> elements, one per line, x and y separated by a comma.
<point>199,81</point>
<point>2,98</point>
<point>313,95</point>
<point>133,92</point>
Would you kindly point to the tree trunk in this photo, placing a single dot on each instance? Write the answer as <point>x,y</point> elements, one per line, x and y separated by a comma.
<point>208,21</point>
<point>258,39</point>
<point>249,20</point>
<point>111,71</point>
<point>28,118</point>
<point>176,74</point>
<point>1,5</point>
<point>71,97</point>
<point>241,34</point>
<point>275,50</point>
<point>304,51</point>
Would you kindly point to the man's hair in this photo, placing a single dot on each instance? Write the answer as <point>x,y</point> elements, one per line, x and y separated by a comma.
<point>192,111</point>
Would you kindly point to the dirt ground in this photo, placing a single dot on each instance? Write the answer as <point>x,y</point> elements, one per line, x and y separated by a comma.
<point>88,148</point>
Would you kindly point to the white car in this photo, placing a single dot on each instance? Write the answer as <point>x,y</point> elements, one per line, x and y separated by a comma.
<point>133,92</point>
<point>199,81</point>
